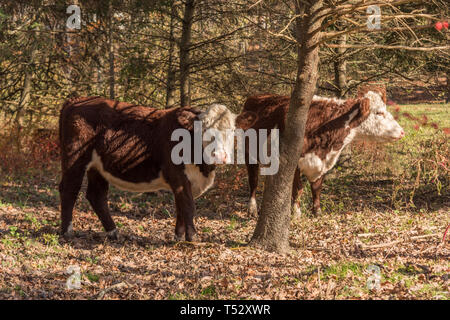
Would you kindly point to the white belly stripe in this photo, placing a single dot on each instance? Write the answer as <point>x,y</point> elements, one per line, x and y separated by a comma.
<point>199,183</point>
<point>154,185</point>
<point>313,167</point>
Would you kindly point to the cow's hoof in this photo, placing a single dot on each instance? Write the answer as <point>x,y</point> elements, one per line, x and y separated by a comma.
<point>191,237</point>
<point>317,212</point>
<point>178,238</point>
<point>113,235</point>
<point>68,234</point>
<point>253,207</point>
<point>296,212</point>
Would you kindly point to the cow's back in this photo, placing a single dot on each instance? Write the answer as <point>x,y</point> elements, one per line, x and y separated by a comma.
<point>325,110</point>
<point>126,137</point>
<point>271,110</point>
<point>99,112</point>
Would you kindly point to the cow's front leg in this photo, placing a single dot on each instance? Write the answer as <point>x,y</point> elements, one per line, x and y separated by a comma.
<point>180,227</point>
<point>316,189</point>
<point>184,203</point>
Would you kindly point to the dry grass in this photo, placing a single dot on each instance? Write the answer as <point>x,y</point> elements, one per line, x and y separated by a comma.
<point>363,204</point>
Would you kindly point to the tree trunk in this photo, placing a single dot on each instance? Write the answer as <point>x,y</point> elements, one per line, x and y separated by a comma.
<point>170,90</point>
<point>111,56</point>
<point>340,68</point>
<point>71,45</point>
<point>69,57</point>
<point>185,42</point>
<point>272,229</point>
<point>99,57</point>
<point>24,98</point>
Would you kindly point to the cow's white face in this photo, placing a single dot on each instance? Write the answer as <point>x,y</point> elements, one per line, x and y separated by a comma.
<point>219,127</point>
<point>220,148</point>
<point>218,137</point>
<point>380,125</point>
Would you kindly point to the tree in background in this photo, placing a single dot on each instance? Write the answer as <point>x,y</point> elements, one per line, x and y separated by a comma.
<point>312,19</point>
<point>272,229</point>
<point>194,52</point>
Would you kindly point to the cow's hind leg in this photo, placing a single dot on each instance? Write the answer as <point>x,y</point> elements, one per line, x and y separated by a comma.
<point>97,192</point>
<point>297,190</point>
<point>68,190</point>
<point>316,189</point>
<point>252,170</point>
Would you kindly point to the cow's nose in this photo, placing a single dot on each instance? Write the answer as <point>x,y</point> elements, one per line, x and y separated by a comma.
<point>220,156</point>
<point>224,157</point>
<point>402,134</point>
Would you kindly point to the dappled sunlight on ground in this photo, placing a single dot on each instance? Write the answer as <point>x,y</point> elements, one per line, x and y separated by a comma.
<point>369,219</point>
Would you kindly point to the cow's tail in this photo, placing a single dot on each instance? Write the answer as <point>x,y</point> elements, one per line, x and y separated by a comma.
<point>70,100</point>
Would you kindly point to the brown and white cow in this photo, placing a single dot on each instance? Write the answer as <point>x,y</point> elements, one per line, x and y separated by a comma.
<point>130,146</point>
<point>332,124</point>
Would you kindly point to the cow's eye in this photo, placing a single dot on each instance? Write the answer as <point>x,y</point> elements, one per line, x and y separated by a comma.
<point>380,114</point>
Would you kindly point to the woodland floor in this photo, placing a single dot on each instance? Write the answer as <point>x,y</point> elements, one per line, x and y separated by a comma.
<point>370,200</point>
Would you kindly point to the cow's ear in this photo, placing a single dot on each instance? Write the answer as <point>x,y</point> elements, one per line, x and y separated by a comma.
<point>186,119</point>
<point>363,106</point>
<point>246,119</point>
<point>375,88</point>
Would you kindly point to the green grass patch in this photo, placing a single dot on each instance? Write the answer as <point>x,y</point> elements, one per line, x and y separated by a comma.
<point>341,271</point>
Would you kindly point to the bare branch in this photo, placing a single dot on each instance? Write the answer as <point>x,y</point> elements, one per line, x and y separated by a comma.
<point>380,46</point>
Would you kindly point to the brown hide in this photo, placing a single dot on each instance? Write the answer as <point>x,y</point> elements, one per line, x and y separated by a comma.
<point>134,145</point>
<point>326,128</point>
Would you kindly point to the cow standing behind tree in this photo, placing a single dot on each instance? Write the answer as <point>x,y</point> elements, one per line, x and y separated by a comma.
<point>130,147</point>
<point>331,125</point>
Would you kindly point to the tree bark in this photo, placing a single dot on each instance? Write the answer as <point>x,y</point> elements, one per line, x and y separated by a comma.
<point>71,46</point>
<point>185,42</point>
<point>111,55</point>
<point>24,97</point>
<point>340,68</point>
<point>99,57</point>
<point>272,229</point>
<point>170,90</point>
